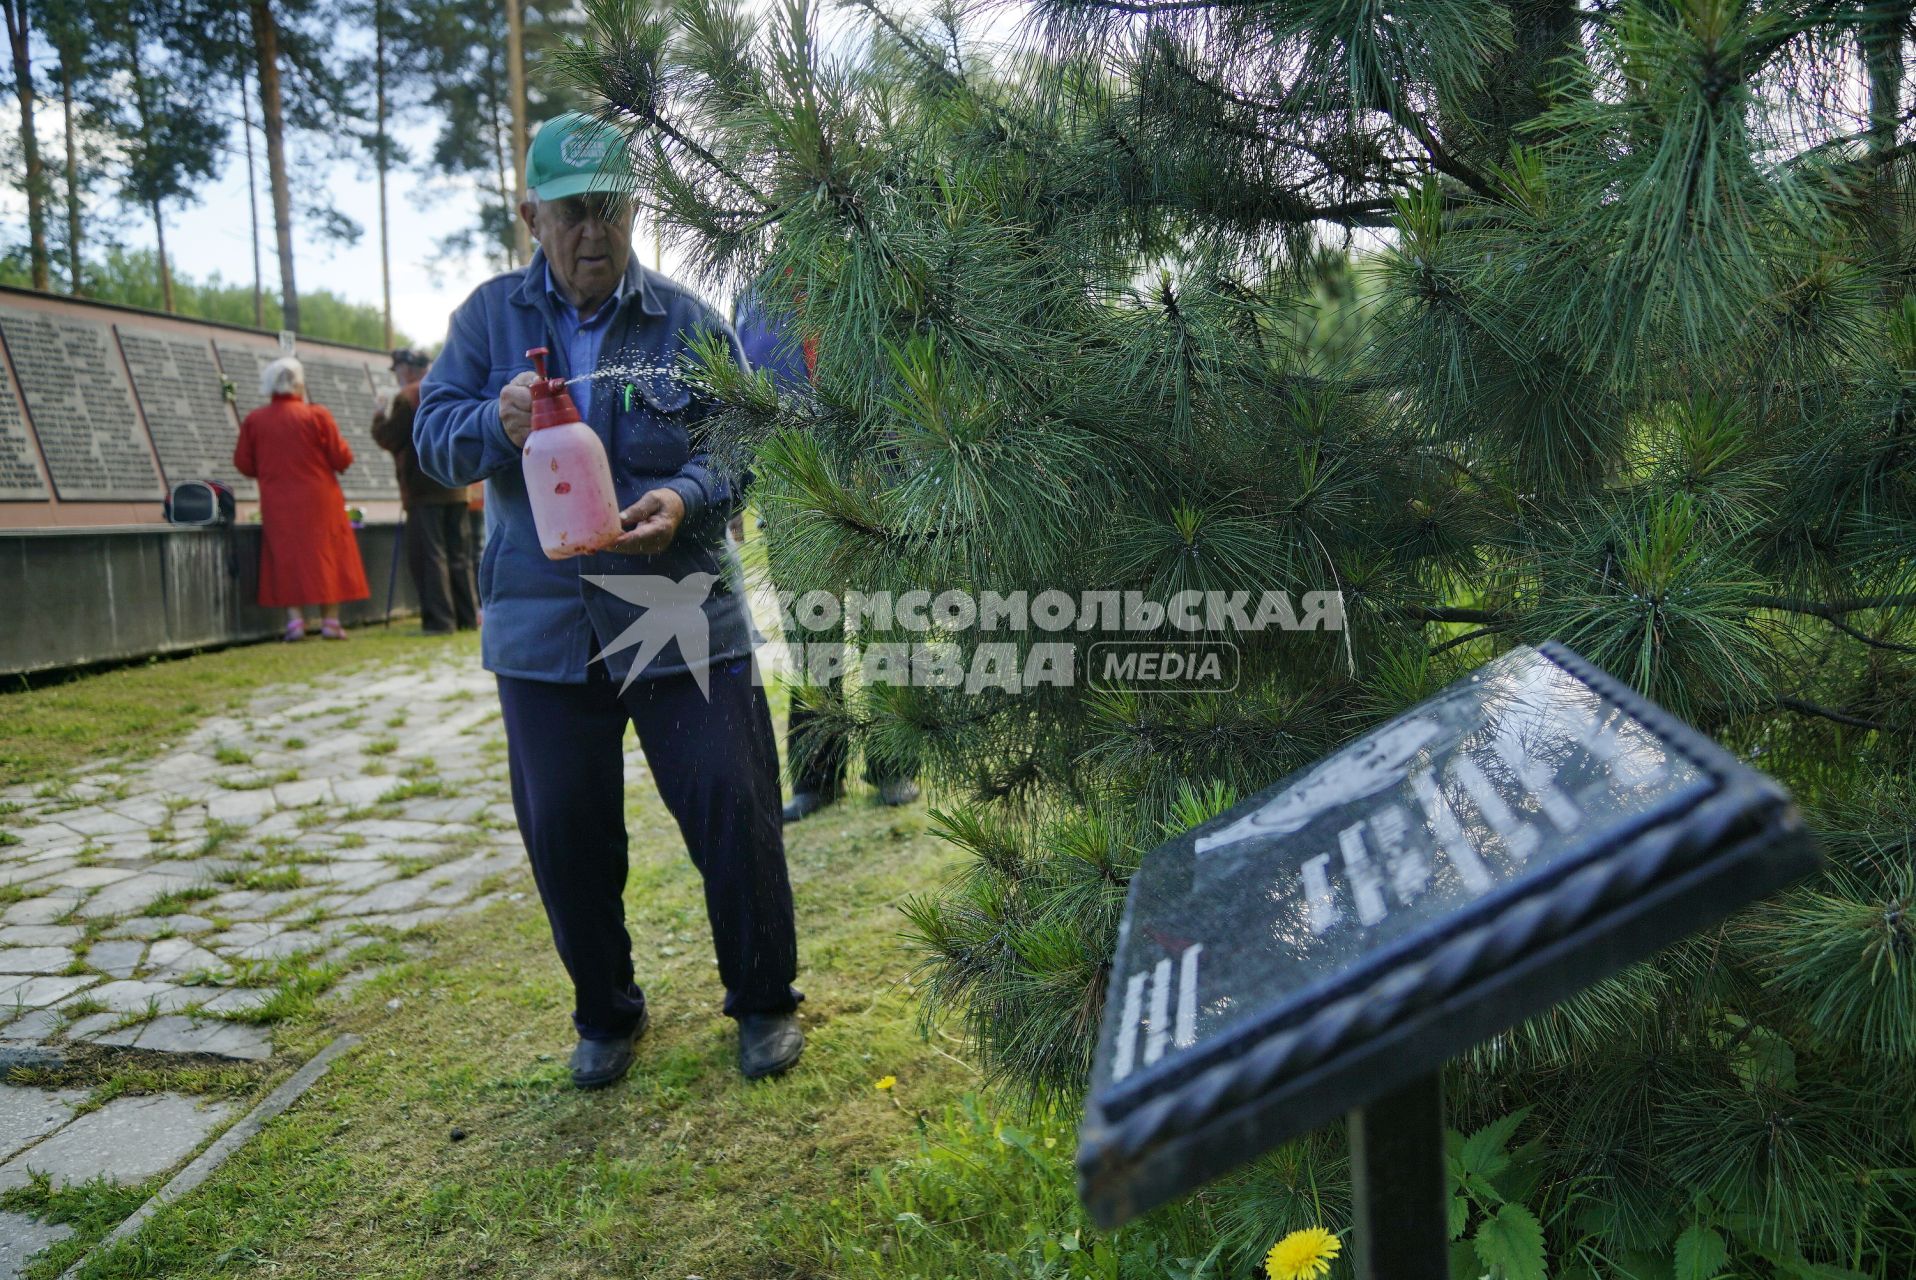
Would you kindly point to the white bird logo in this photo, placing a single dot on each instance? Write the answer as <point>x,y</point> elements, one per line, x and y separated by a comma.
<point>672,612</point>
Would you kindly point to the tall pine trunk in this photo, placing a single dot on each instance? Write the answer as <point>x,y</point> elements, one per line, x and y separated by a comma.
<point>272,120</point>
<point>516,87</point>
<point>379,96</point>
<point>1882,48</point>
<point>18,35</point>
<point>252,201</point>
<point>67,69</point>
<point>499,129</point>
<point>146,143</point>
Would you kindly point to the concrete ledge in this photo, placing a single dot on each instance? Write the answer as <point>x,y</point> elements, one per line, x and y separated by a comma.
<point>76,596</point>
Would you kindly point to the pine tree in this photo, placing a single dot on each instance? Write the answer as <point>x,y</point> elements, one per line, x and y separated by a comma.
<point>1511,320</point>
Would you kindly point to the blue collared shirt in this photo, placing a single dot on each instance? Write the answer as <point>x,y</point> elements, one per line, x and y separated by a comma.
<point>582,339</point>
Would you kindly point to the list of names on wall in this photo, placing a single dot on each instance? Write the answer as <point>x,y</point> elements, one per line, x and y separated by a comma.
<point>19,476</point>
<point>344,388</point>
<point>82,408</point>
<point>179,390</point>
<point>242,364</point>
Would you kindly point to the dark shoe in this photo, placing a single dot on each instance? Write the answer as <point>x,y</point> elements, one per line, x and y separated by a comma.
<point>768,1044</point>
<point>898,791</point>
<point>598,1063</point>
<point>804,804</point>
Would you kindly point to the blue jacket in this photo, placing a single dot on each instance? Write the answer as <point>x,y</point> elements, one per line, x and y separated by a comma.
<point>543,620</point>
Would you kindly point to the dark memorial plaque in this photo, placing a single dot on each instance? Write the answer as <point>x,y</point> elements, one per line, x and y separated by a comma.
<point>81,407</point>
<point>19,475</point>
<point>179,390</point>
<point>242,363</point>
<point>1530,830</point>
<point>343,387</point>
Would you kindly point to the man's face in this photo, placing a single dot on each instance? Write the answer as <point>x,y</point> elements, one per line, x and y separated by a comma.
<point>587,239</point>
<point>407,374</point>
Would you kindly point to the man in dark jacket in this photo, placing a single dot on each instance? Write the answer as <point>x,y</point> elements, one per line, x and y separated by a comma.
<point>651,632</point>
<point>439,539</point>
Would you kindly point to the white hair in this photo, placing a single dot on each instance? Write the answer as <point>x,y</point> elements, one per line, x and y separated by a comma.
<point>284,376</point>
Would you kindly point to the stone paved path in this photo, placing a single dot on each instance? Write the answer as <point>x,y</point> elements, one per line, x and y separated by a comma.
<point>174,905</point>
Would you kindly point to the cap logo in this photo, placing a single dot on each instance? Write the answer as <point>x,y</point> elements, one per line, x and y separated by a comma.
<point>585,147</point>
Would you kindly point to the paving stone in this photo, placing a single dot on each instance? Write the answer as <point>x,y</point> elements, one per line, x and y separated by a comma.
<point>361,791</point>
<point>237,1000</point>
<point>133,895</point>
<point>214,1037</point>
<point>131,995</point>
<point>341,877</point>
<point>26,872</point>
<point>28,1115</point>
<point>242,935</point>
<point>396,895</point>
<point>21,1237</point>
<point>48,835</point>
<point>154,926</point>
<point>279,946</point>
<point>128,1140</point>
<point>40,935</point>
<point>99,822</point>
<point>115,959</point>
<point>42,910</point>
<point>90,877</point>
<point>180,958</point>
<point>444,809</point>
<point>393,829</point>
<point>34,1027</point>
<point>34,959</point>
<point>32,993</point>
<point>307,791</point>
<point>146,810</point>
<point>93,1024</point>
<point>240,806</point>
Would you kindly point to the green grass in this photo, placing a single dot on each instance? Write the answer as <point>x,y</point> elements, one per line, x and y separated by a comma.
<point>683,1169</point>
<point>136,711</point>
<point>179,901</point>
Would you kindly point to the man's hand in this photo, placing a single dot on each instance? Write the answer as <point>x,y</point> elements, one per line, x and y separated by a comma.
<point>650,523</point>
<point>515,407</point>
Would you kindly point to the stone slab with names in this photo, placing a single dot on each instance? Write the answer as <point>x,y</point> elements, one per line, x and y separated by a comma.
<point>345,387</point>
<point>81,406</point>
<point>338,382</point>
<point>242,362</point>
<point>19,473</point>
<point>179,389</point>
<point>1527,831</point>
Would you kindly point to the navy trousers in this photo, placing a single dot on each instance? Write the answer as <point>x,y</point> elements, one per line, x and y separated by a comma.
<point>716,766</point>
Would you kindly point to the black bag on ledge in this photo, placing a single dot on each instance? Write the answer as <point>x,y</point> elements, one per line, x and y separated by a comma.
<point>200,502</point>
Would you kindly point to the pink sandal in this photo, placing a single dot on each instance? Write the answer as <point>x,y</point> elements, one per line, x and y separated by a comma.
<point>332,631</point>
<point>295,630</point>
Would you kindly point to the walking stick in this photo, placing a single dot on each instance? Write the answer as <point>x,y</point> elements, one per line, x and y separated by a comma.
<point>392,575</point>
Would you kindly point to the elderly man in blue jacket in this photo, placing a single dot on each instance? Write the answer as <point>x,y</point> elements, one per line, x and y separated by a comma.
<point>564,637</point>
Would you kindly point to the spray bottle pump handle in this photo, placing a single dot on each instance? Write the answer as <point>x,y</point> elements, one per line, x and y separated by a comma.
<point>538,356</point>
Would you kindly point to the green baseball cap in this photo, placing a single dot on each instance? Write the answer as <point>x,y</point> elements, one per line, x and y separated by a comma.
<point>573,154</point>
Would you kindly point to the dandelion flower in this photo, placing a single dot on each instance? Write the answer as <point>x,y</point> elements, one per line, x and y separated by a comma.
<point>886,1082</point>
<point>1303,1255</point>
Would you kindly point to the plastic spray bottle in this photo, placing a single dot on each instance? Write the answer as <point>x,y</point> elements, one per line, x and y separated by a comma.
<point>568,479</point>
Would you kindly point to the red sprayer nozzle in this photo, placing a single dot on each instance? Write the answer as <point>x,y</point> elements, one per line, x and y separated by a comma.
<point>551,406</point>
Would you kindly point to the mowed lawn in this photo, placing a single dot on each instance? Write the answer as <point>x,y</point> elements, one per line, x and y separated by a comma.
<point>451,1143</point>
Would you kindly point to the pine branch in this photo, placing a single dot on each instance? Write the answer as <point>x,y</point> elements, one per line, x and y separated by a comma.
<point>1463,639</point>
<point>1805,707</point>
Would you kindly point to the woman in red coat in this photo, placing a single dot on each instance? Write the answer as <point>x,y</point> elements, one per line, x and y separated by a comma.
<point>307,555</point>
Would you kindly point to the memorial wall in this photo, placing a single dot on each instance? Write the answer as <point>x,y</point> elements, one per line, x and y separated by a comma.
<point>104,408</point>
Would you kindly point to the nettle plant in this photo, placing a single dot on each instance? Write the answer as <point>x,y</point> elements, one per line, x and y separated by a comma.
<point>1508,319</point>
